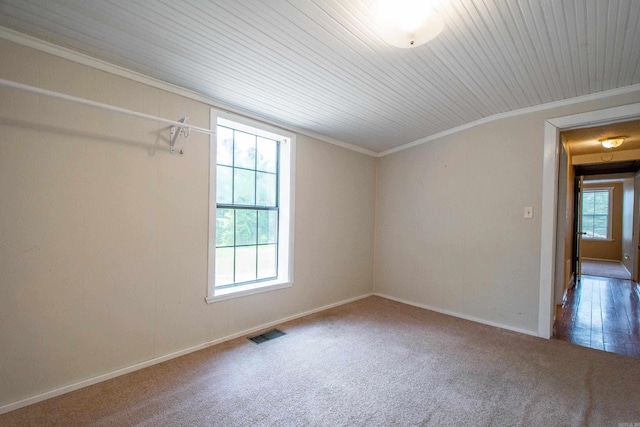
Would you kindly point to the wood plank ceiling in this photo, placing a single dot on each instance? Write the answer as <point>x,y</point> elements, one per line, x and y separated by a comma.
<point>318,65</point>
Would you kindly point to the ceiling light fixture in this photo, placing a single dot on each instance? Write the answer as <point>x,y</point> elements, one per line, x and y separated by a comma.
<point>408,23</point>
<point>612,142</point>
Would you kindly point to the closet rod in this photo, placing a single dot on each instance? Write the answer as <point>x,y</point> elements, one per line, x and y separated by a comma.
<point>179,124</point>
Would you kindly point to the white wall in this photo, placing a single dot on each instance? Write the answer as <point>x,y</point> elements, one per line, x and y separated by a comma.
<point>103,233</point>
<point>450,232</point>
<point>563,227</point>
<point>627,223</point>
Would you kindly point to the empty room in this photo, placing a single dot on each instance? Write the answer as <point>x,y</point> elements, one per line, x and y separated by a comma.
<point>319,212</point>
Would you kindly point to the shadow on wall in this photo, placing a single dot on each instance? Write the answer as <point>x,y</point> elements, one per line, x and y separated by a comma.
<point>160,144</point>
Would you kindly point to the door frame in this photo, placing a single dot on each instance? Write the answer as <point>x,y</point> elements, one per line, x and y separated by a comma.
<point>551,156</point>
<point>576,255</point>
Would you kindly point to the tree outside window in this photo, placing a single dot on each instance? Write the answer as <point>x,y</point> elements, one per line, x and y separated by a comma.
<point>596,213</point>
<point>251,208</point>
<point>247,207</point>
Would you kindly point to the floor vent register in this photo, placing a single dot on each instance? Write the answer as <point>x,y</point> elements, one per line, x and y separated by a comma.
<point>266,336</point>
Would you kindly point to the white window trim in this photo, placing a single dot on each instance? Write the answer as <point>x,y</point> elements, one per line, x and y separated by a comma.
<point>609,237</point>
<point>286,203</point>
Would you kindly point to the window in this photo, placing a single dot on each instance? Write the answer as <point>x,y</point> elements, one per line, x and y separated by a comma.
<point>251,208</point>
<point>596,213</point>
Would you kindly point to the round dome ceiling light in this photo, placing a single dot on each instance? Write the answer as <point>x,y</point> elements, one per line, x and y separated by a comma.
<point>407,23</point>
<point>612,142</point>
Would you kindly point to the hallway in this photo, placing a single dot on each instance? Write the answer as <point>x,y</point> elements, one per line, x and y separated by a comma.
<point>602,313</point>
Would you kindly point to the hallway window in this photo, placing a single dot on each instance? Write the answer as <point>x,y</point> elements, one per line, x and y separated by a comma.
<point>596,213</point>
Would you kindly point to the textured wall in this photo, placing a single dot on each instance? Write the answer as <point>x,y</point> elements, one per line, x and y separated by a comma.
<point>103,233</point>
<point>450,232</point>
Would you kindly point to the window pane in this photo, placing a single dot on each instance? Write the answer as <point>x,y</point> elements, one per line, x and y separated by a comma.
<point>601,202</point>
<point>267,155</point>
<point>267,226</point>
<point>267,261</point>
<point>224,266</point>
<point>246,227</point>
<point>244,150</point>
<point>266,189</point>
<point>247,218</point>
<point>600,225</point>
<point>595,213</point>
<point>245,263</point>
<point>587,225</point>
<point>244,191</point>
<point>224,227</point>
<point>600,233</point>
<point>587,203</point>
<point>224,184</point>
<point>225,146</point>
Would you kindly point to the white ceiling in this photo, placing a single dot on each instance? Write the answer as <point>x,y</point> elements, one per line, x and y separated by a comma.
<point>317,65</point>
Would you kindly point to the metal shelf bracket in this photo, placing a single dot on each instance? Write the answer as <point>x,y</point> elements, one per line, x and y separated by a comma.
<point>176,131</point>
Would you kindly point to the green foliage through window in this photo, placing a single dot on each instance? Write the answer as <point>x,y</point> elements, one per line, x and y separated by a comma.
<point>595,213</point>
<point>247,207</point>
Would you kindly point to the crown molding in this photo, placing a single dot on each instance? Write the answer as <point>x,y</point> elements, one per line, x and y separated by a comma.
<point>515,113</point>
<point>84,59</point>
<point>90,61</point>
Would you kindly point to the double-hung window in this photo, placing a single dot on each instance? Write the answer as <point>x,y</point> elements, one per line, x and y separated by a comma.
<point>251,208</point>
<point>596,213</point>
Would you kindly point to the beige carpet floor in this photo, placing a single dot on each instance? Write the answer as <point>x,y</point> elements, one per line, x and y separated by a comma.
<point>603,268</point>
<point>373,362</point>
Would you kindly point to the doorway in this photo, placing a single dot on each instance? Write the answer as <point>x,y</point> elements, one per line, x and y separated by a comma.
<point>605,222</point>
<point>550,176</point>
<point>600,308</point>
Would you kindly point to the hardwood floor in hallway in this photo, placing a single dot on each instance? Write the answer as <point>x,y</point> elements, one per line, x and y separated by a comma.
<point>602,313</point>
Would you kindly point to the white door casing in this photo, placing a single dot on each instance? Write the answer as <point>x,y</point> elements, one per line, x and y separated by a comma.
<point>551,152</point>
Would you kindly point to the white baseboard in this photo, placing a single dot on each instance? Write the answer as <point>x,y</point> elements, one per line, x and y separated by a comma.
<point>100,378</point>
<point>459,315</point>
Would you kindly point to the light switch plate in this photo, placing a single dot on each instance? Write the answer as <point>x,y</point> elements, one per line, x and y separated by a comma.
<point>528,212</point>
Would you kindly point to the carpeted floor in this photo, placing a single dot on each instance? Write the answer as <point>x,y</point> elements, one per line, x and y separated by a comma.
<point>604,268</point>
<point>373,362</point>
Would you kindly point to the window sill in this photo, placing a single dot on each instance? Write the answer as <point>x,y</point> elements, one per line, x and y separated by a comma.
<point>598,240</point>
<point>245,290</point>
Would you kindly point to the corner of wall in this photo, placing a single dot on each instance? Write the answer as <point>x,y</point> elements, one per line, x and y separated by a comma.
<point>375,223</point>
